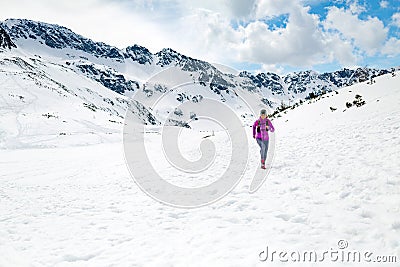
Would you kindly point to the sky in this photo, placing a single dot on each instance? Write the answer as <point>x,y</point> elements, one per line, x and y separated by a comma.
<point>279,36</point>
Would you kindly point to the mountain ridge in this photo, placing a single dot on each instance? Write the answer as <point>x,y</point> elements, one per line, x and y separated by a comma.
<point>56,36</point>
<point>132,69</point>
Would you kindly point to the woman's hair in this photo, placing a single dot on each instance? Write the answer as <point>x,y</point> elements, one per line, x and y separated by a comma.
<point>263,111</point>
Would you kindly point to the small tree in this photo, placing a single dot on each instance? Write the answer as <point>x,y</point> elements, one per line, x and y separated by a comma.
<point>178,112</point>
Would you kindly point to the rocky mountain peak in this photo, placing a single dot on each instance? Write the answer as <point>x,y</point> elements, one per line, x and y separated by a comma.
<point>58,37</point>
<point>139,53</point>
<point>5,40</point>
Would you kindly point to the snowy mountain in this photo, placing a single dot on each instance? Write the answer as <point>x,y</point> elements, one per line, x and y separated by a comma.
<point>84,86</point>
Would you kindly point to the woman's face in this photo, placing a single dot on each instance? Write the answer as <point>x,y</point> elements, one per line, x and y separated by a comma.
<point>263,116</point>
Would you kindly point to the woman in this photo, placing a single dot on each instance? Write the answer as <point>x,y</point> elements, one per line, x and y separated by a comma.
<point>260,132</point>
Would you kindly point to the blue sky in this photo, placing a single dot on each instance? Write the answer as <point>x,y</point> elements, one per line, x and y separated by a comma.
<point>253,35</point>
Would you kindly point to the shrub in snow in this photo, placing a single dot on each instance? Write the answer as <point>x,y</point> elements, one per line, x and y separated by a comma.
<point>178,112</point>
<point>193,116</point>
<point>358,102</point>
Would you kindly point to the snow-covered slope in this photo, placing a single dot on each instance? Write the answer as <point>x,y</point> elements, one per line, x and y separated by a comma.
<point>44,104</point>
<point>334,177</point>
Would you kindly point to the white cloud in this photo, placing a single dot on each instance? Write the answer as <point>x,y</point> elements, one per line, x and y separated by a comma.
<point>100,21</point>
<point>392,47</point>
<point>271,8</point>
<point>231,9</point>
<point>384,4</point>
<point>271,68</point>
<point>241,8</point>
<point>355,7</point>
<point>340,50</point>
<point>369,35</point>
<point>396,19</point>
<point>298,43</point>
<point>302,42</point>
<point>208,36</point>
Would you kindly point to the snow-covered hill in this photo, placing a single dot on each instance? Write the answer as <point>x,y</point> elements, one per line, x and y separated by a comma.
<point>44,104</point>
<point>334,177</point>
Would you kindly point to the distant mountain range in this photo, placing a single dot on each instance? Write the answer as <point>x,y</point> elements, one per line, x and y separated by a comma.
<point>35,47</point>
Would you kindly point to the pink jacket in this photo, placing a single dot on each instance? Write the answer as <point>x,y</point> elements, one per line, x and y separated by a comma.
<point>263,134</point>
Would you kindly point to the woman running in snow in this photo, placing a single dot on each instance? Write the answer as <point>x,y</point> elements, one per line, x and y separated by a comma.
<point>260,132</point>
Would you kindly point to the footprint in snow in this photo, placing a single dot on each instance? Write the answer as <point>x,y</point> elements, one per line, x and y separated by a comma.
<point>295,188</point>
<point>396,225</point>
<point>283,216</point>
<point>344,195</point>
<point>299,219</point>
<point>366,214</point>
